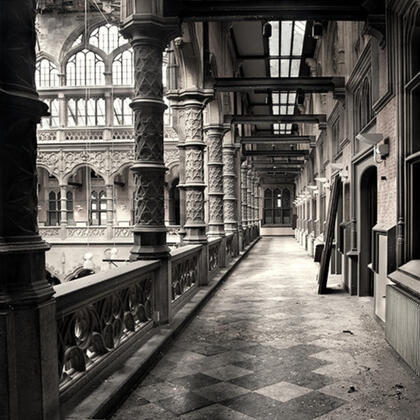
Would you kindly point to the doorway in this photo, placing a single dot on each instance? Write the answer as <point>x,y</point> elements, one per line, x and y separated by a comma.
<point>368,219</point>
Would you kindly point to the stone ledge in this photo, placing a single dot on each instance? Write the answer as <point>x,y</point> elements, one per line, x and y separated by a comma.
<point>103,401</point>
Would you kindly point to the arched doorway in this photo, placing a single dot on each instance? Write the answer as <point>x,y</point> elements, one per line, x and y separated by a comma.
<point>368,219</point>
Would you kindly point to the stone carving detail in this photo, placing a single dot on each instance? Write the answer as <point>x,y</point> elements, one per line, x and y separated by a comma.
<point>49,159</point>
<point>120,158</point>
<point>229,163</point>
<point>216,209</point>
<point>215,148</point>
<point>194,206</point>
<point>122,134</point>
<point>194,165</point>
<point>215,179</point>
<point>149,201</point>
<point>123,232</point>
<point>80,135</point>
<point>214,256</point>
<point>229,187</point>
<point>148,65</point>
<point>170,155</point>
<point>192,120</point>
<point>86,232</point>
<point>47,135</point>
<point>149,134</point>
<point>49,232</point>
<point>94,329</point>
<point>95,159</point>
<point>229,211</point>
<point>184,275</point>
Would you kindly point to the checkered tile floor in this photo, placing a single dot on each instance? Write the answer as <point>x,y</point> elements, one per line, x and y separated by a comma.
<point>266,346</point>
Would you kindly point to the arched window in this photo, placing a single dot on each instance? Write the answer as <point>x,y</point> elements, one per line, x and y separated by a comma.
<point>107,38</point>
<point>54,208</point>
<point>122,69</point>
<point>46,74</point>
<point>85,68</point>
<point>97,208</point>
<point>53,119</point>
<point>82,112</point>
<point>123,114</point>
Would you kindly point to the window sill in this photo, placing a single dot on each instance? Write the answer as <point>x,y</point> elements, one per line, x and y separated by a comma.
<point>408,276</point>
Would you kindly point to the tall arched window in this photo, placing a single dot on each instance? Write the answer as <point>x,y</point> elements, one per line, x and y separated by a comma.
<point>97,208</point>
<point>54,208</point>
<point>107,38</point>
<point>122,69</point>
<point>82,112</point>
<point>46,74</point>
<point>53,119</point>
<point>123,114</point>
<point>85,68</point>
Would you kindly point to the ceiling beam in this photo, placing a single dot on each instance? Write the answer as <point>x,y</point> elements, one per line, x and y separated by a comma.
<point>284,153</point>
<point>282,139</point>
<point>222,10</point>
<point>276,119</point>
<point>270,162</point>
<point>277,165</point>
<point>279,169</point>
<point>283,84</point>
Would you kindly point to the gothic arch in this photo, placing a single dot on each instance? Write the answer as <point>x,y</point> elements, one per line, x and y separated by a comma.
<point>71,172</point>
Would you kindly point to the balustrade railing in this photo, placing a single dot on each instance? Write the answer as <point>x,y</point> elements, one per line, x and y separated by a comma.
<point>230,251</point>
<point>85,134</point>
<point>185,273</point>
<point>214,252</point>
<point>97,318</point>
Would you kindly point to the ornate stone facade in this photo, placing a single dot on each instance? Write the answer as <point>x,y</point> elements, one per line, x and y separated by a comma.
<point>229,187</point>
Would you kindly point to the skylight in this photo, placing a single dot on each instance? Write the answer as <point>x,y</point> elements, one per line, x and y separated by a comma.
<point>285,48</point>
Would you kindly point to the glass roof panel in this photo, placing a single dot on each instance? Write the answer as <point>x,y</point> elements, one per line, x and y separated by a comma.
<point>285,49</point>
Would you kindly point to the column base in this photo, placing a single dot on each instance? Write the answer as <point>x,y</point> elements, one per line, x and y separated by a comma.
<point>149,245</point>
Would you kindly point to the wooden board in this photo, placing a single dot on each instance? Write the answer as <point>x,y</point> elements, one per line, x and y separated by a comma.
<point>329,236</point>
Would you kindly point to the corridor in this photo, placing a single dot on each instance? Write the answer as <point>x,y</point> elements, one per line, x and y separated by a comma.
<point>267,346</point>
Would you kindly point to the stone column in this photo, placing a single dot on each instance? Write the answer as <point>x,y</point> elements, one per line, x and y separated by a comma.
<point>191,118</point>
<point>148,36</point>
<point>109,210</point>
<point>229,188</point>
<point>63,211</point>
<point>28,336</point>
<point>244,208</point>
<point>214,140</point>
<point>249,200</point>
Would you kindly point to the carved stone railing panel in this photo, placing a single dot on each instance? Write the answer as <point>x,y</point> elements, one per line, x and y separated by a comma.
<point>86,232</point>
<point>50,231</point>
<point>78,134</point>
<point>214,252</point>
<point>185,270</point>
<point>230,251</point>
<point>123,133</point>
<point>47,135</point>
<point>123,231</point>
<point>99,314</point>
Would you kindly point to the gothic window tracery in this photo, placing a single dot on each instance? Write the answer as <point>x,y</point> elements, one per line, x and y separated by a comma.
<point>46,74</point>
<point>85,68</point>
<point>54,208</point>
<point>122,69</point>
<point>107,38</point>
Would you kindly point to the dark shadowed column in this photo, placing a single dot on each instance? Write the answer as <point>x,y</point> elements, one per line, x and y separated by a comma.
<point>28,337</point>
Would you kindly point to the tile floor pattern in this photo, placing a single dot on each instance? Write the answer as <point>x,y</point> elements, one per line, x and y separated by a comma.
<point>266,346</point>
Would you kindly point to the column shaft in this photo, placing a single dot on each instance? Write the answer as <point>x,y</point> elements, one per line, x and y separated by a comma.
<point>28,336</point>
<point>229,187</point>
<point>148,39</point>
<point>214,140</point>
